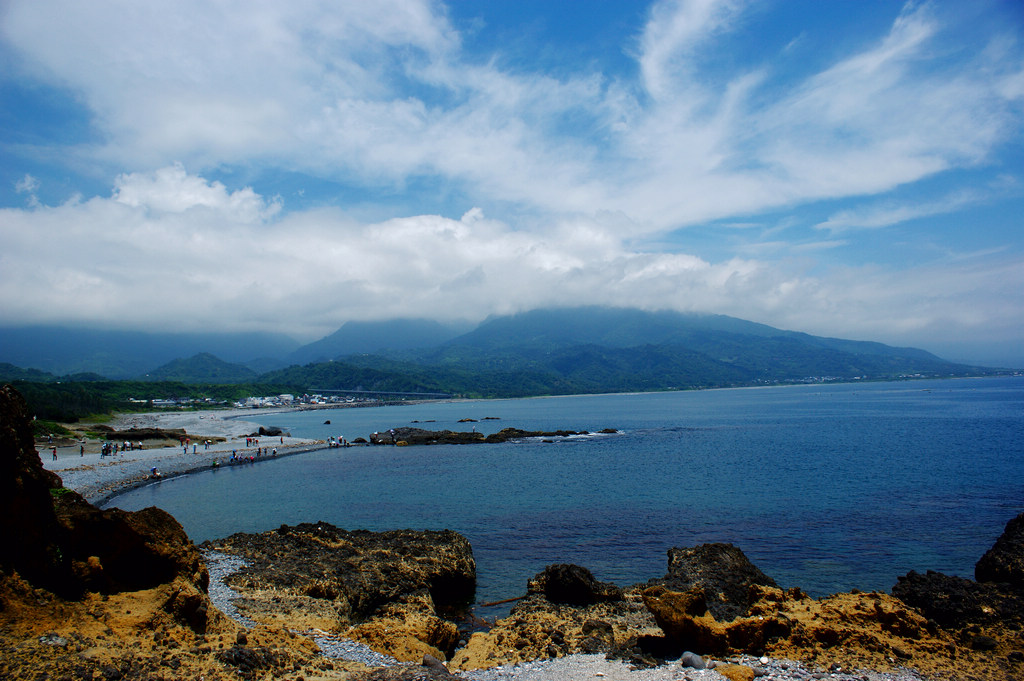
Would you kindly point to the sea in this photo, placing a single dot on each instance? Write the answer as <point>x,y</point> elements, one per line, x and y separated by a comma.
<point>826,487</point>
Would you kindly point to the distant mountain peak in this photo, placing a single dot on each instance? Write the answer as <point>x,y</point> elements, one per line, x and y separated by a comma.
<point>202,367</point>
<point>373,337</point>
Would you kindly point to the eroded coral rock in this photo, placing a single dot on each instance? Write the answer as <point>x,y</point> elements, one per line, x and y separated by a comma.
<point>566,611</point>
<point>866,626</point>
<point>722,571</point>
<point>396,589</point>
<point>29,529</point>
<point>408,630</point>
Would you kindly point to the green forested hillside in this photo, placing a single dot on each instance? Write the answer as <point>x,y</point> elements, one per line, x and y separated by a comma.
<point>543,352</point>
<point>202,368</point>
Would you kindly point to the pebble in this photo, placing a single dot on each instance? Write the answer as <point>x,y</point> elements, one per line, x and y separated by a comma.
<point>692,660</point>
<point>52,639</point>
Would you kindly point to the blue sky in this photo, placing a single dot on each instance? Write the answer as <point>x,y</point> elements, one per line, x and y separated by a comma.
<point>849,169</point>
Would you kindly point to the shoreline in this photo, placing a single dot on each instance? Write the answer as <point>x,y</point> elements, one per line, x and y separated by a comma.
<point>101,479</point>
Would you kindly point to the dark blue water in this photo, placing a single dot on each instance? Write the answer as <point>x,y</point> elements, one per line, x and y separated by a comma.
<point>828,488</point>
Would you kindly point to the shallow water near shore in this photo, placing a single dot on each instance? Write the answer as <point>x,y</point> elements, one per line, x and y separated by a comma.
<point>825,487</point>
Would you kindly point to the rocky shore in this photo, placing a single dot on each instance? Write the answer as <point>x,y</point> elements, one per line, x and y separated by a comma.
<point>86,593</point>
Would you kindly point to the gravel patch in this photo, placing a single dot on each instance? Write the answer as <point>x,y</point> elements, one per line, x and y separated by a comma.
<point>221,566</point>
<point>596,667</point>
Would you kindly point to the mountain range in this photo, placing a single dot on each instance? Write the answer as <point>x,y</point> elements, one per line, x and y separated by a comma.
<point>131,354</point>
<point>549,351</point>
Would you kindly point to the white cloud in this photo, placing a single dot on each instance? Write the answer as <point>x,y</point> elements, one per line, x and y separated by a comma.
<point>889,213</point>
<point>28,185</point>
<point>173,190</point>
<point>195,260</point>
<point>376,93</point>
<point>671,39</point>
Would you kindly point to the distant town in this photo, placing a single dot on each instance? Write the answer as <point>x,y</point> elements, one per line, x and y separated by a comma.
<point>372,398</point>
<point>353,398</point>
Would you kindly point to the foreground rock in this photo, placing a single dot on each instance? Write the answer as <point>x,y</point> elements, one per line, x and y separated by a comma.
<point>399,592</point>
<point>86,593</point>
<point>567,611</point>
<point>721,571</point>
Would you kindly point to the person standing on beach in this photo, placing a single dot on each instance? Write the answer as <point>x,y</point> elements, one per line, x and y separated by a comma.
<point>54,453</point>
<point>81,449</point>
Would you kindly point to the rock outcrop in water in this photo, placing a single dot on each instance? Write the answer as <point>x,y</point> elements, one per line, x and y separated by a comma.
<point>572,585</point>
<point>419,436</point>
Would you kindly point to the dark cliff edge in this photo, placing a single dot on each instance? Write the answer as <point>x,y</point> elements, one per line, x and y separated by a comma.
<point>85,592</point>
<point>58,541</point>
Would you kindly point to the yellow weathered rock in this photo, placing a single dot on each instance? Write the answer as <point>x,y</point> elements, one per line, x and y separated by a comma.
<point>735,672</point>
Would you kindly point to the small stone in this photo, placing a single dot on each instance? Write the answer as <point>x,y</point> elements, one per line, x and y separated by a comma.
<point>983,642</point>
<point>763,660</point>
<point>692,660</point>
<point>53,639</point>
<point>432,662</point>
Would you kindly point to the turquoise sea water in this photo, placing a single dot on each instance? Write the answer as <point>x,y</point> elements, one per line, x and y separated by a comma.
<point>825,487</point>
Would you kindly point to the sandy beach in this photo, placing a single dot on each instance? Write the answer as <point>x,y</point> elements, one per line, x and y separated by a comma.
<point>98,478</point>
